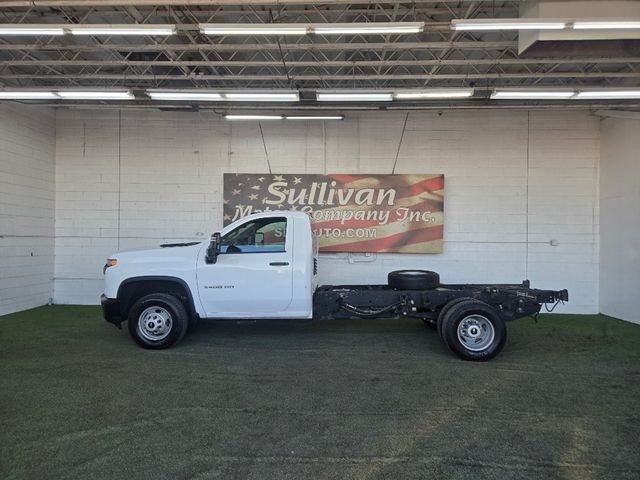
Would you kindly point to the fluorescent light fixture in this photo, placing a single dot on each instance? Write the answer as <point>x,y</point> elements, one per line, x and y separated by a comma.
<point>95,94</point>
<point>314,117</point>
<point>303,29</point>
<point>221,96</point>
<point>532,94</point>
<point>253,117</point>
<point>254,29</point>
<point>611,94</point>
<point>367,28</point>
<point>26,95</point>
<point>184,95</point>
<point>611,24</point>
<point>354,96</point>
<point>30,29</point>
<point>262,97</point>
<point>434,93</point>
<point>95,29</point>
<point>66,95</point>
<point>508,24</point>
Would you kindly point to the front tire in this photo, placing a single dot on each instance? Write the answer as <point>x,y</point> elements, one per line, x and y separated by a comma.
<point>158,320</point>
<point>473,330</point>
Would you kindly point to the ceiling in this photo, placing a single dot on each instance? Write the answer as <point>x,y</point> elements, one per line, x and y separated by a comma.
<point>438,57</point>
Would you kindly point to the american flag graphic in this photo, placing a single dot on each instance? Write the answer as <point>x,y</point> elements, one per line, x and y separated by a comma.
<point>349,213</point>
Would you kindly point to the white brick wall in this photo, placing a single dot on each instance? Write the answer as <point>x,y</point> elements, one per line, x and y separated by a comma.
<point>515,180</point>
<point>27,162</point>
<point>620,206</point>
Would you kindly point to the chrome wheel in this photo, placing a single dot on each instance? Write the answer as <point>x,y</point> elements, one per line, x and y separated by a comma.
<point>476,333</point>
<point>155,323</point>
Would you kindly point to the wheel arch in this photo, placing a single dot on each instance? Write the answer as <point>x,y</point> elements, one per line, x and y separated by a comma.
<point>134,288</point>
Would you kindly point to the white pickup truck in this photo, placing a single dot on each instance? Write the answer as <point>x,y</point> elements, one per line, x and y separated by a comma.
<point>265,266</point>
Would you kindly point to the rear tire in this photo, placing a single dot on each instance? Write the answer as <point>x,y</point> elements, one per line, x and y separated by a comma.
<point>444,311</point>
<point>158,320</point>
<point>413,280</point>
<point>474,330</point>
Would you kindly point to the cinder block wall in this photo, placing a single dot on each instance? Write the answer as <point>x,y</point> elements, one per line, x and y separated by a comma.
<point>620,228</point>
<point>515,182</point>
<point>27,192</point>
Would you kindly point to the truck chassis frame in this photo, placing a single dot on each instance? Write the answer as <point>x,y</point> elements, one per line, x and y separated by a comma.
<point>511,301</point>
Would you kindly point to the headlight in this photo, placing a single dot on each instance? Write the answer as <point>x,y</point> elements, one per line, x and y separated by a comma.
<point>111,262</point>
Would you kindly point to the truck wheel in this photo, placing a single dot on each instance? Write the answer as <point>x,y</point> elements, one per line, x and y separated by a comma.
<point>444,311</point>
<point>158,320</point>
<point>473,330</point>
<point>413,280</point>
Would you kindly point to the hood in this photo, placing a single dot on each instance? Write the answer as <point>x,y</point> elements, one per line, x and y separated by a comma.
<point>161,253</point>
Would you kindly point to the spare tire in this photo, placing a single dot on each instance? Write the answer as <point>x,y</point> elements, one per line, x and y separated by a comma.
<point>413,280</point>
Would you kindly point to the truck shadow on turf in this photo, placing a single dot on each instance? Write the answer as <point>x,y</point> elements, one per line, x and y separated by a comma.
<point>406,335</point>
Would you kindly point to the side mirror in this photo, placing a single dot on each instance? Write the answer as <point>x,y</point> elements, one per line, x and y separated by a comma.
<point>213,249</point>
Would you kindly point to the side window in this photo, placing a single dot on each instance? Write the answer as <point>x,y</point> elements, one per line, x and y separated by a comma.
<point>259,236</point>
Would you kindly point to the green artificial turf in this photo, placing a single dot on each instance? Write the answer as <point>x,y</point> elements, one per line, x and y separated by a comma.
<point>310,400</point>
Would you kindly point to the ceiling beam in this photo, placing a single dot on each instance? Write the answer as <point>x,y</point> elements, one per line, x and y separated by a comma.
<point>118,3</point>
<point>217,109</point>
<point>324,78</point>
<point>207,13</point>
<point>314,63</point>
<point>618,114</point>
<point>229,47</point>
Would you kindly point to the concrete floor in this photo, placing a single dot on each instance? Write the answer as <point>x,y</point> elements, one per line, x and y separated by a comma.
<point>345,400</point>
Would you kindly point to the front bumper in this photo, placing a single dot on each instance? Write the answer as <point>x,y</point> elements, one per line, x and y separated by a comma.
<point>111,310</point>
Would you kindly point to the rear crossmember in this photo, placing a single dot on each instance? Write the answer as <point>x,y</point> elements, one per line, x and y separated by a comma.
<point>511,301</point>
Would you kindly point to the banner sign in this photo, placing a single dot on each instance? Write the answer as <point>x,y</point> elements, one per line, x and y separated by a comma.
<point>349,213</point>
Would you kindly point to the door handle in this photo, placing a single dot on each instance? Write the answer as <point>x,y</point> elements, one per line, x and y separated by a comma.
<point>279,264</point>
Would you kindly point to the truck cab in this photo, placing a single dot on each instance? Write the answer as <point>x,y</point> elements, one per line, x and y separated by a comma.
<point>264,269</point>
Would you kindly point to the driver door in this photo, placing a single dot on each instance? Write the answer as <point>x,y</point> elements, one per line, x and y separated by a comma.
<point>253,274</point>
